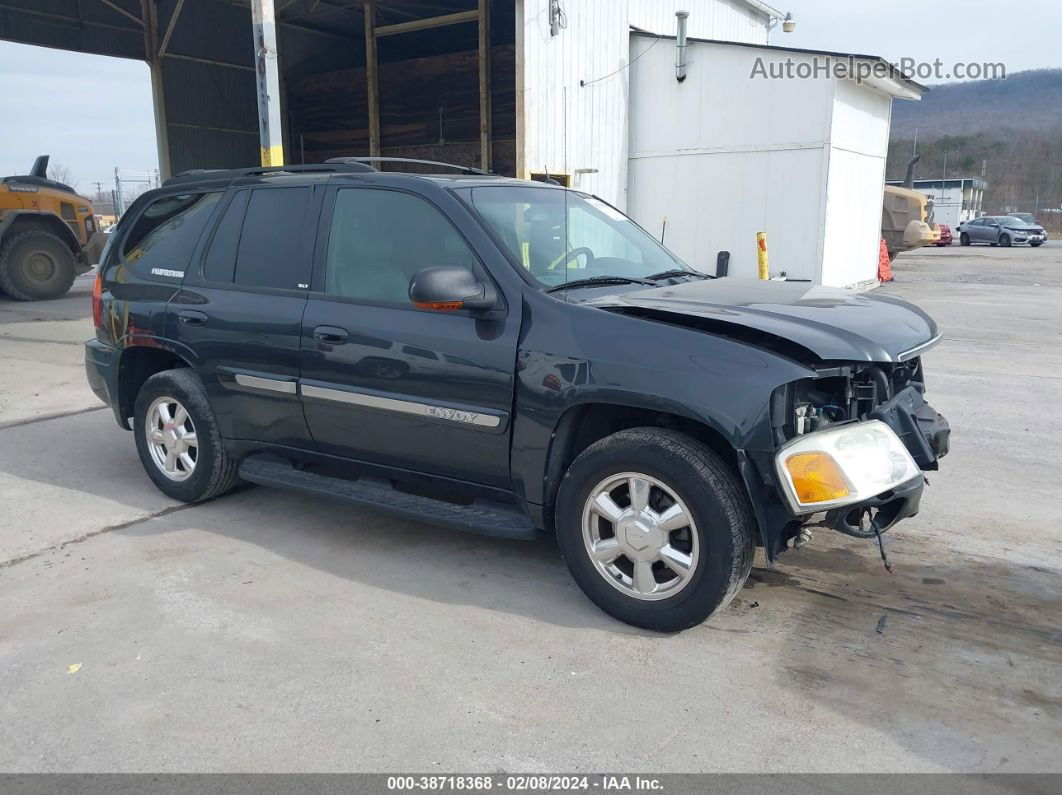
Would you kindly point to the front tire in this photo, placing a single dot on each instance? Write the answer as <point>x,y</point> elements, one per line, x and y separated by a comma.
<point>178,439</point>
<point>36,266</point>
<point>1004,240</point>
<point>655,528</point>
<point>964,239</point>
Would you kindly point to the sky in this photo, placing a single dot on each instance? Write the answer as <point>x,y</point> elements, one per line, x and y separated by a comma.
<point>1022,35</point>
<point>92,113</point>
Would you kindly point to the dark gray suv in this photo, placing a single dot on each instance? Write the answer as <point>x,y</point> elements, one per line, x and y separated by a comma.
<point>506,357</point>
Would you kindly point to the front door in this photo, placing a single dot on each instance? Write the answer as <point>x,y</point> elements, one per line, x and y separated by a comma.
<point>241,313</point>
<point>386,382</point>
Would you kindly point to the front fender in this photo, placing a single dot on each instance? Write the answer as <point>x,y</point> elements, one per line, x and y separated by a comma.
<point>580,355</point>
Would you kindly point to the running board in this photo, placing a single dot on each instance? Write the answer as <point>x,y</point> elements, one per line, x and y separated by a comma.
<point>482,516</point>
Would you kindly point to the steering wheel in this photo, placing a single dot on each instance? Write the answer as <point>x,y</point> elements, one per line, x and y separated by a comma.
<point>575,253</point>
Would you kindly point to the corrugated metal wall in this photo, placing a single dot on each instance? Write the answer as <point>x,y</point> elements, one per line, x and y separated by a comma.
<point>211,109</point>
<point>576,83</point>
<point>73,25</point>
<point>207,72</point>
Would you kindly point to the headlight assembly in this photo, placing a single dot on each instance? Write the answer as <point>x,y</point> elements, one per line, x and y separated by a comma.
<point>842,465</point>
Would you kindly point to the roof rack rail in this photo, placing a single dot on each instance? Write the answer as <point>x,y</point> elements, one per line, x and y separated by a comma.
<point>376,159</point>
<point>234,173</point>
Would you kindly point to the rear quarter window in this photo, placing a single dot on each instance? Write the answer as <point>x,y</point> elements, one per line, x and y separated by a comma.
<point>165,234</point>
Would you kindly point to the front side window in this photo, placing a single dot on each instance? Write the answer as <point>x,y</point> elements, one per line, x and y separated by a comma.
<point>559,236</point>
<point>165,234</point>
<point>379,239</point>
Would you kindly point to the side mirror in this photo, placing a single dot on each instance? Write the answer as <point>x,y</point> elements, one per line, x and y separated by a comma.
<point>450,289</point>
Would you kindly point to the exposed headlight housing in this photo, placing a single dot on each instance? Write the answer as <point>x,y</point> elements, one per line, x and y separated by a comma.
<point>842,466</point>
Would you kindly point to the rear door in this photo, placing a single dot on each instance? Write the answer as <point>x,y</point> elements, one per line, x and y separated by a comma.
<point>385,382</point>
<point>241,312</point>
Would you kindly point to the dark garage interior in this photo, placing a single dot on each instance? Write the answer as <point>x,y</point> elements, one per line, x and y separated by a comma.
<point>434,99</point>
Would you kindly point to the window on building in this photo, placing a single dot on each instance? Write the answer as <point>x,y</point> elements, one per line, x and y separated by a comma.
<point>379,240</point>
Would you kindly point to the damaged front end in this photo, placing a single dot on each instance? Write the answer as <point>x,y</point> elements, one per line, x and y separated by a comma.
<point>852,444</point>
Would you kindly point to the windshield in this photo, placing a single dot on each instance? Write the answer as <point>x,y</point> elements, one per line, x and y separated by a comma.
<point>560,236</point>
<point>1009,220</point>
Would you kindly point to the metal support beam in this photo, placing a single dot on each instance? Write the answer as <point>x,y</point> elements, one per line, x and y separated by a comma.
<point>426,24</point>
<point>521,129</point>
<point>370,77</point>
<point>169,28</point>
<point>150,11</point>
<point>484,85</point>
<point>268,78</point>
<point>123,12</point>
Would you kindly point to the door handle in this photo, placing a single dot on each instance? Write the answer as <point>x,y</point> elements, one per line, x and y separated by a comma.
<point>333,335</point>
<point>191,317</point>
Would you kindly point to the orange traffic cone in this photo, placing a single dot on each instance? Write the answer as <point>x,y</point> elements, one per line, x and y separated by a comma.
<point>884,266</point>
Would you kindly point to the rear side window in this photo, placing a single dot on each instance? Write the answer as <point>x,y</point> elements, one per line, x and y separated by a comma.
<point>269,254</point>
<point>166,233</point>
<point>220,262</point>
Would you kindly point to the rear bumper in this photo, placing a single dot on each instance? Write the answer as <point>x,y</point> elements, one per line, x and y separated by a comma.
<point>101,370</point>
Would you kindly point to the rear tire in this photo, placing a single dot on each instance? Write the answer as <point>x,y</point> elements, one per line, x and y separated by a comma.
<point>964,239</point>
<point>36,266</point>
<point>683,477</point>
<point>171,406</point>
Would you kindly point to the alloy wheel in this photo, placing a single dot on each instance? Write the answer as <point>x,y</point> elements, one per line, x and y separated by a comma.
<point>171,438</point>
<point>640,536</point>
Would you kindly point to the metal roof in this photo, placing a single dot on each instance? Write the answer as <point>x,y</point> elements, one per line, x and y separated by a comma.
<point>894,74</point>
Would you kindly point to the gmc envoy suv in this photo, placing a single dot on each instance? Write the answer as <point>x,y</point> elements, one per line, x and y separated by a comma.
<point>506,357</point>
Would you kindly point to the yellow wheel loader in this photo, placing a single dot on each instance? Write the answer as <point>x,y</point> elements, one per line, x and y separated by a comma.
<point>907,216</point>
<point>47,235</point>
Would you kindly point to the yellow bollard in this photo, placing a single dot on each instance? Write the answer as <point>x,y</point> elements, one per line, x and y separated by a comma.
<point>761,251</point>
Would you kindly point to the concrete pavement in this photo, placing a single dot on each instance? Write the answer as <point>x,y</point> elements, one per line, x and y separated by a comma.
<point>267,632</point>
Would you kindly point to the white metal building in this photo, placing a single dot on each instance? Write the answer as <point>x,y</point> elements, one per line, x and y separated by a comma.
<point>574,81</point>
<point>722,155</point>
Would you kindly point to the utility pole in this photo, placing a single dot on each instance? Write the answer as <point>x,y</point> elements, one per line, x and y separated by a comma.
<point>118,208</point>
<point>267,75</point>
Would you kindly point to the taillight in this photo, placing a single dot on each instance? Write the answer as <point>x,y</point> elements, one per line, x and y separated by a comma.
<point>97,301</point>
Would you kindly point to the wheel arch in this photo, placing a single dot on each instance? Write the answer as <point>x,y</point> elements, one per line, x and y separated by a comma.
<point>583,424</point>
<point>136,365</point>
<point>18,221</point>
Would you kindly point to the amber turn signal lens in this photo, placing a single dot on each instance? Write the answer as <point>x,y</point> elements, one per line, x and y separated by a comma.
<point>439,306</point>
<point>816,477</point>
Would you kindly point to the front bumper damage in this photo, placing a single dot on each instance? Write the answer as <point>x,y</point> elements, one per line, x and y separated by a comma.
<point>925,434</point>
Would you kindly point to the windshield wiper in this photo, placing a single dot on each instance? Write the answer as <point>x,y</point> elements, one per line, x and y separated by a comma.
<point>599,280</point>
<point>677,272</point>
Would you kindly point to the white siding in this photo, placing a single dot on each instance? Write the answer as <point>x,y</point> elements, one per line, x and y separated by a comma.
<point>724,156</point>
<point>859,140</point>
<point>569,126</point>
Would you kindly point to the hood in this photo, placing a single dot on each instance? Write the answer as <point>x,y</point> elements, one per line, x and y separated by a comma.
<point>832,324</point>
